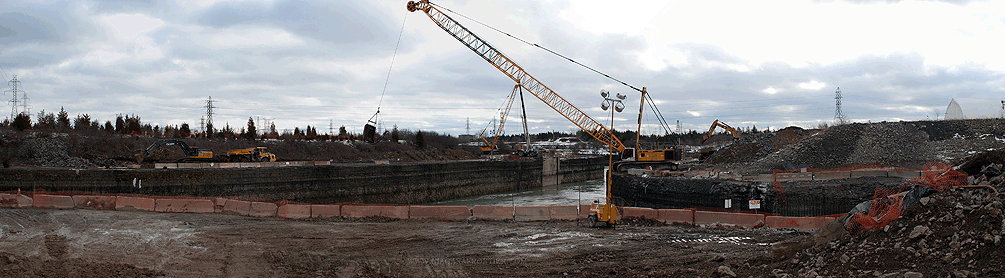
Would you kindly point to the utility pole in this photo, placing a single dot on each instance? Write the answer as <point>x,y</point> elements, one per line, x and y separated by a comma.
<point>14,84</point>
<point>839,116</point>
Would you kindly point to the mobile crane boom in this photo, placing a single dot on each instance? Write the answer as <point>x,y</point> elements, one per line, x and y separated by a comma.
<point>515,72</point>
<point>502,122</point>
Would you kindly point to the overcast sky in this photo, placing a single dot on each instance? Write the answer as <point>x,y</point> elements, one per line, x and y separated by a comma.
<point>747,63</point>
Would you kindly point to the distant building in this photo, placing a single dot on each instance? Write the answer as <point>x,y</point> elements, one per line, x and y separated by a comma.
<point>954,112</point>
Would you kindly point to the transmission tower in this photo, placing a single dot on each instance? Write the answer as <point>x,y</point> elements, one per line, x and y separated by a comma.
<point>331,127</point>
<point>209,113</point>
<point>14,84</point>
<point>839,116</point>
<point>468,125</point>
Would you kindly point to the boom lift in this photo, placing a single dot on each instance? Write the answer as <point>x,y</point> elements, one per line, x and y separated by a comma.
<point>604,213</point>
<point>717,123</point>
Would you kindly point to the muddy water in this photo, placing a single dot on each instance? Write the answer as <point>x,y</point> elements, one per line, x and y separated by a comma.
<point>565,194</point>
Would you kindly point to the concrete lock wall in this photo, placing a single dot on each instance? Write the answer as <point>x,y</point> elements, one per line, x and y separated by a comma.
<point>387,184</point>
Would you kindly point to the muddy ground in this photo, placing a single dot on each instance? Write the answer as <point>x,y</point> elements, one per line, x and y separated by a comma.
<point>86,243</point>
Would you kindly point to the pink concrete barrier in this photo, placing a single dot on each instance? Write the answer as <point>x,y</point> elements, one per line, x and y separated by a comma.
<point>325,211</point>
<point>563,212</point>
<point>799,223</point>
<point>532,214</point>
<point>399,212</point>
<point>218,204</point>
<point>183,205</point>
<point>237,207</point>
<point>134,203</point>
<point>743,220</point>
<point>492,212</point>
<point>14,201</point>
<point>639,213</point>
<point>52,201</point>
<point>584,211</point>
<point>293,211</point>
<point>445,213</point>
<point>262,209</point>
<point>94,202</point>
<point>683,216</point>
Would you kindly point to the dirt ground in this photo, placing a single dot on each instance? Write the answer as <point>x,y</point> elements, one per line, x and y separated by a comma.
<point>87,243</point>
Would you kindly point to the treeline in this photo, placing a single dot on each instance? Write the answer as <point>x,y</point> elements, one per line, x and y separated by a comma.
<point>133,125</point>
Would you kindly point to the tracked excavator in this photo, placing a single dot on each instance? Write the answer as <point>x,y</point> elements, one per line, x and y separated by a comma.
<point>192,153</point>
<point>717,123</point>
<point>606,213</point>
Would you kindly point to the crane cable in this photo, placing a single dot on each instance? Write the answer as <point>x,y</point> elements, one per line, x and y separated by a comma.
<point>381,101</point>
<point>538,46</point>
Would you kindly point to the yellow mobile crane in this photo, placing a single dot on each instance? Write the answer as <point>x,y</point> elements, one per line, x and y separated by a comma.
<point>504,113</point>
<point>600,212</point>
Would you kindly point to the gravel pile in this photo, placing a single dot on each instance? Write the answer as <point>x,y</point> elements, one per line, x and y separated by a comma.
<point>899,144</point>
<point>956,233</point>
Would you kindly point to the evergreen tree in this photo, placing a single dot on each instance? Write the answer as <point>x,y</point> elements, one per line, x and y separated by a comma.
<point>63,120</point>
<point>82,122</point>
<point>21,122</point>
<point>184,131</point>
<point>46,121</point>
<point>108,127</point>
<point>120,125</point>
<point>251,132</point>
<point>209,130</point>
<point>420,141</point>
<point>342,131</point>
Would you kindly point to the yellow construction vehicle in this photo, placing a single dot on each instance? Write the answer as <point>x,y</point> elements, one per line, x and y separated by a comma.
<point>192,153</point>
<point>717,123</point>
<point>606,213</point>
<point>498,130</point>
<point>256,154</point>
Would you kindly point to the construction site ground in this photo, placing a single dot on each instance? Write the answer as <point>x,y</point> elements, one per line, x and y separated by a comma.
<point>87,243</point>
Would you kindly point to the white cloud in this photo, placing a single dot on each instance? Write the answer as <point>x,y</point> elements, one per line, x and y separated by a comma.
<point>812,85</point>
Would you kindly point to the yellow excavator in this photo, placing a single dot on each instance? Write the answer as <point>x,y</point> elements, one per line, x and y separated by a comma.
<point>606,213</point>
<point>717,123</point>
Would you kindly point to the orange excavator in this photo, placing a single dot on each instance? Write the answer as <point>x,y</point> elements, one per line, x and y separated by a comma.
<point>717,123</point>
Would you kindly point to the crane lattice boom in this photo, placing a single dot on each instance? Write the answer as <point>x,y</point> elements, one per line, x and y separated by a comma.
<point>515,72</point>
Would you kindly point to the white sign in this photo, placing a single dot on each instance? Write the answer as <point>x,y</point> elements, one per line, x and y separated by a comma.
<point>729,203</point>
<point>754,204</point>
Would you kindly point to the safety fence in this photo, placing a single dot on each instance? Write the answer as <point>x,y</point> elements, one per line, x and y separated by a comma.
<point>293,210</point>
<point>889,203</point>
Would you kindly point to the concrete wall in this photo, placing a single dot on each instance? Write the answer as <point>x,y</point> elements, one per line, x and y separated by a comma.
<point>385,184</point>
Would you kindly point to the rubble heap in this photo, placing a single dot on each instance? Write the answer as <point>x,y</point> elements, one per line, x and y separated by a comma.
<point>899,144</point>
<point>955,233</point>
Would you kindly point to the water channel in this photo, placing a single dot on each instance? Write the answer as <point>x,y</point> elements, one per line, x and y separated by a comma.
<point>584,192</point>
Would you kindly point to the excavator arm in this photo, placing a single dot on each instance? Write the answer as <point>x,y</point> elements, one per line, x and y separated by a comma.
<point>717,123</point>
<point>515,72</point>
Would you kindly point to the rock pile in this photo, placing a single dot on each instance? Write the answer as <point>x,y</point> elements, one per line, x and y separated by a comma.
<point>956,233</point>
<point>902,144</point>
